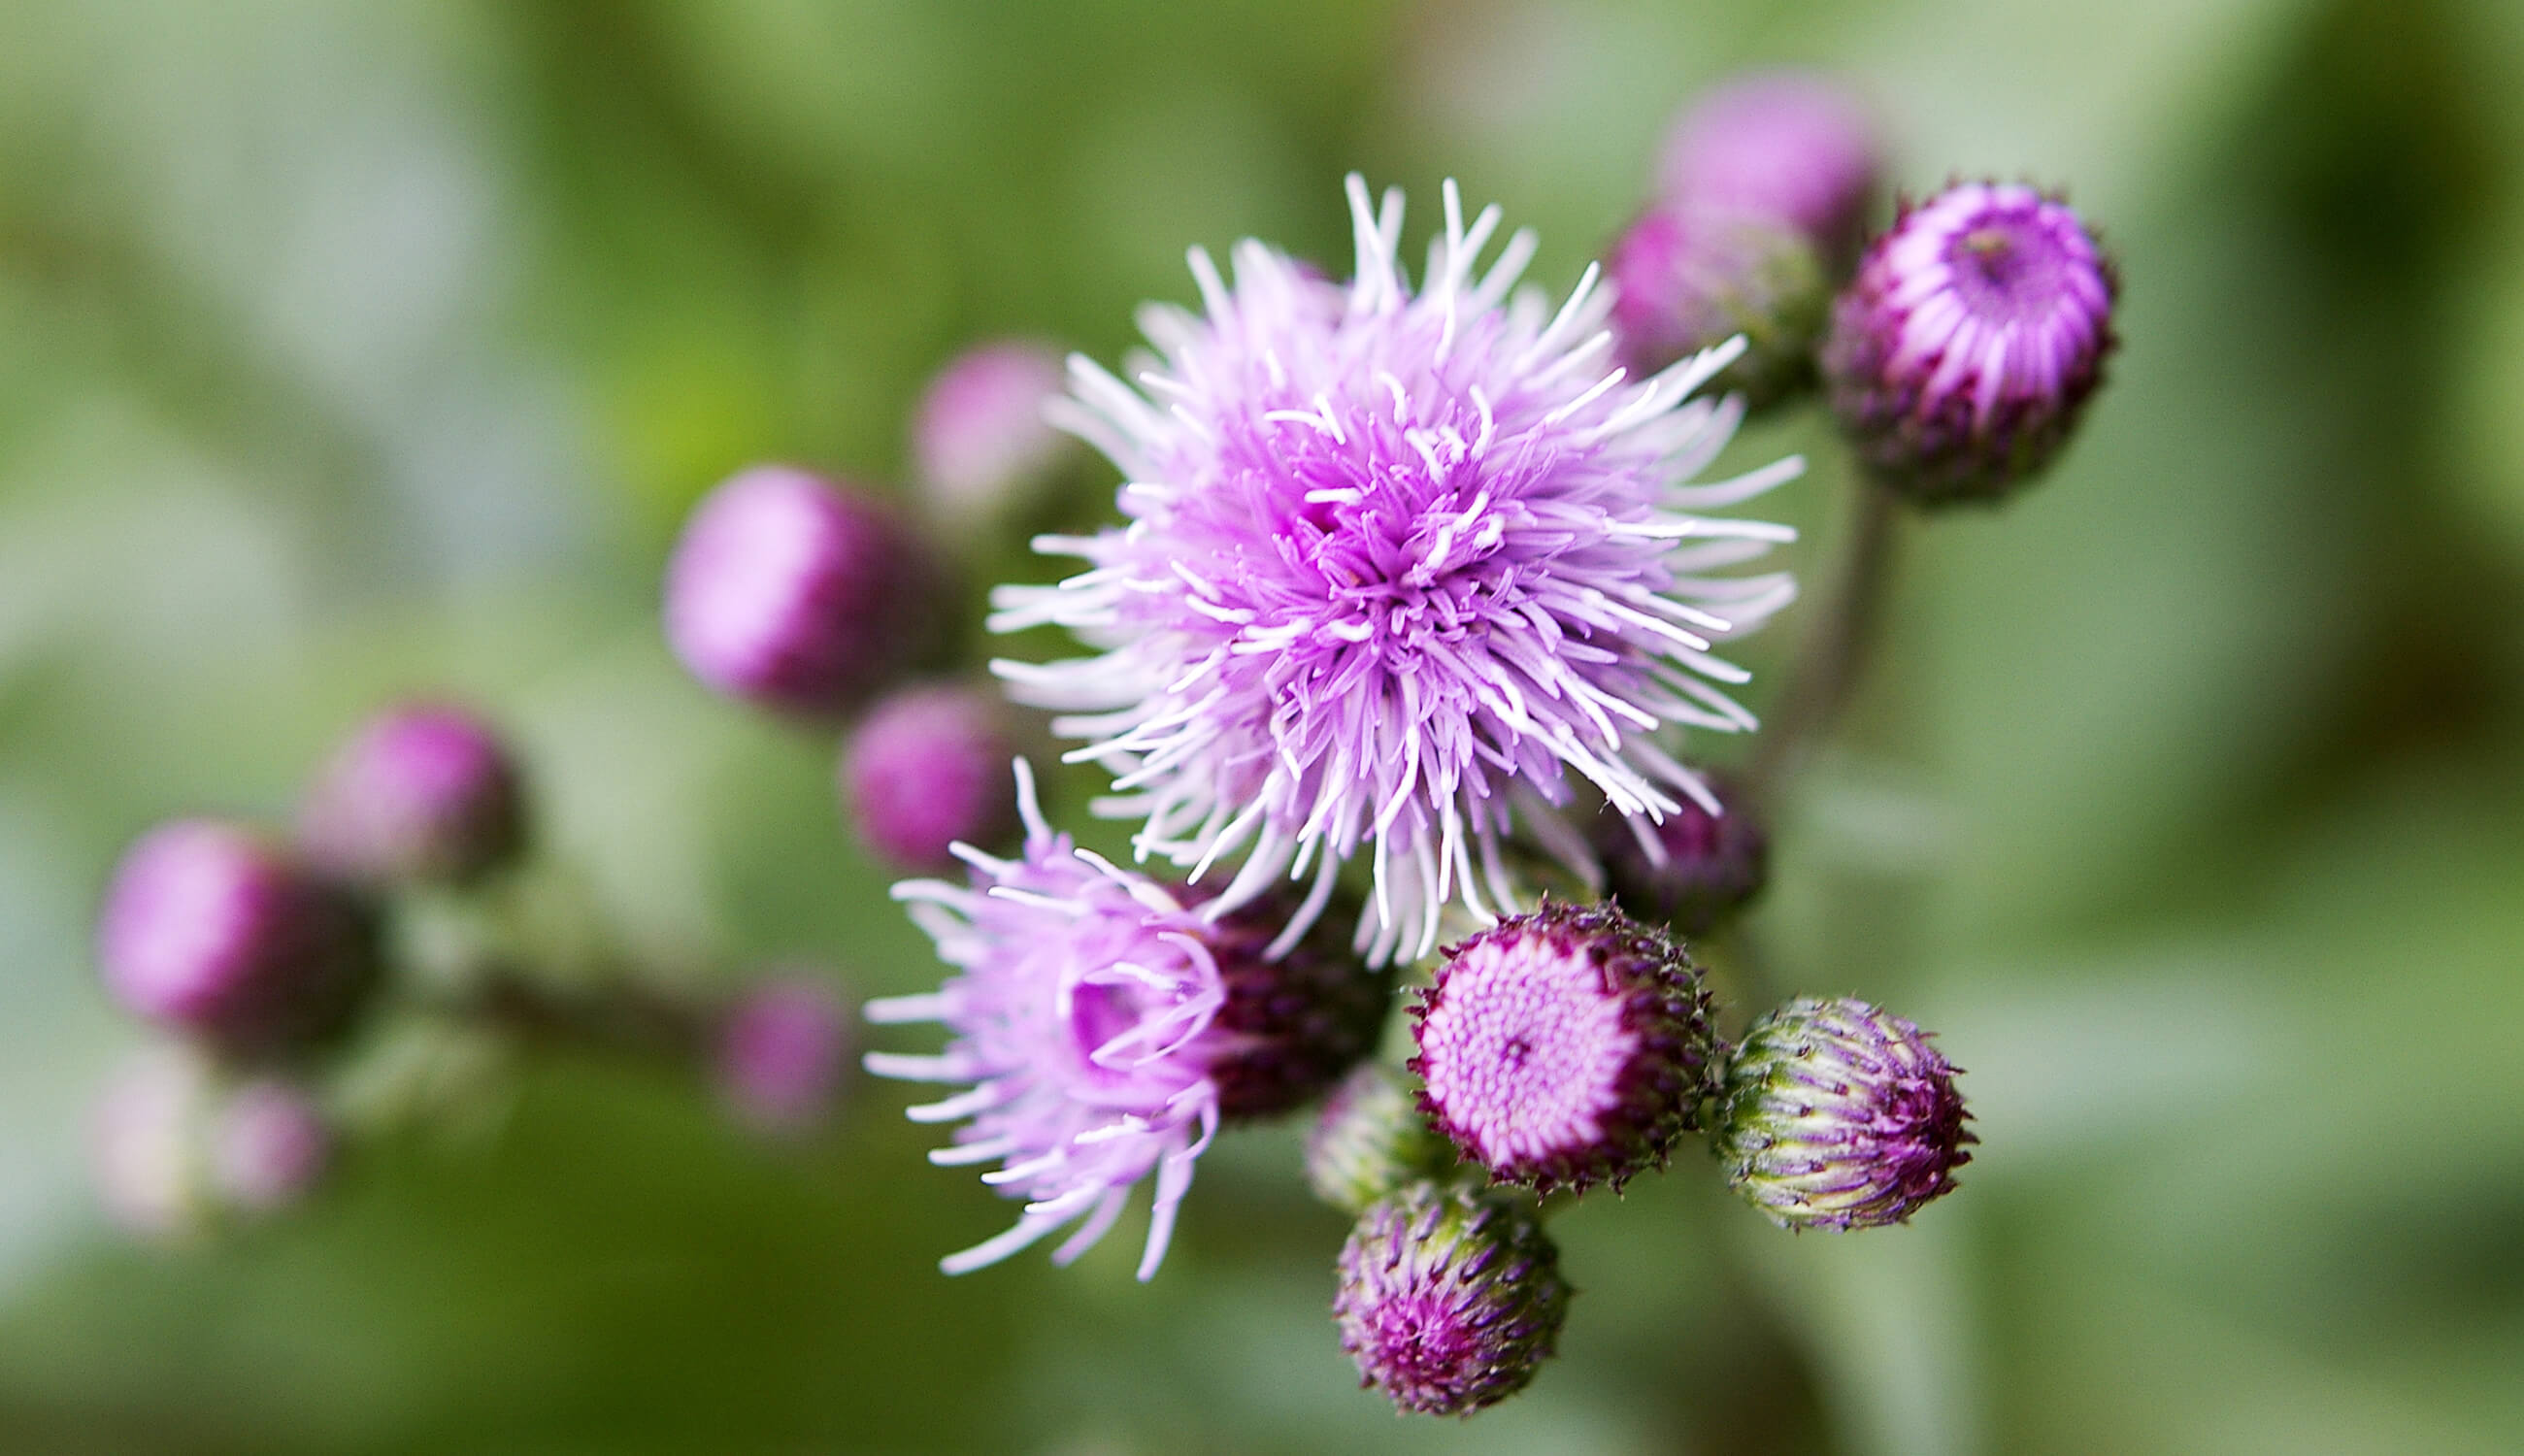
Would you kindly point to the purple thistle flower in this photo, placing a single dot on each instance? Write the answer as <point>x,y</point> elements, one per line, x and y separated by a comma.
<point>1449,1300</point>
<point>781,1049</point>
<point>1837,1115</point>
<point>1786,145</point>
<point>926,768</point>
<point>1401,567</point>
<point>1685,280</point>
<point>268,1145</point>
<point>1566,1048</point>
<point>422,793</point>
<point>1961,356</point>
<point>978,437</point>
<point>1108,1025</point>
<point>788,592</point>
<point>1695,870</point>
<point>212,930</point>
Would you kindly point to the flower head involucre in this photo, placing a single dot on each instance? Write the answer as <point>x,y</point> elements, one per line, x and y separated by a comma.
<point>1107,1027</point>
<point>1401,567</point>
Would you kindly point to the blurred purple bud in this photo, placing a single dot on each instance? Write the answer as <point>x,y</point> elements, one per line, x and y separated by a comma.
<point>979,439</point>
<point>268,1145</point>
<point>789,593</point>
<point>1692,871</point>
<point>1788,145</point>
<point>422,793</point>
<point>781,1053</point>
<point>1684,281</point>
<point>212,930</point>
<point>928,767</point>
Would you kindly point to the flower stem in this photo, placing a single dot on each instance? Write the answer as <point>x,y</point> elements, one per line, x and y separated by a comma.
<point>1835,654</point>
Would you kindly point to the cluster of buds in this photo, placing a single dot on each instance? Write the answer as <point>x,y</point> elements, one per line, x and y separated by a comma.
<point>1957,359</point>
<point>264,960</point>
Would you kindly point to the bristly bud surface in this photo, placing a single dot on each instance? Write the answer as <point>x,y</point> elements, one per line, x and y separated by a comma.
<point>1837,1115</point>
<point>1566,1048</point>
<point>1962,356</point>
<point>1449,1300</point>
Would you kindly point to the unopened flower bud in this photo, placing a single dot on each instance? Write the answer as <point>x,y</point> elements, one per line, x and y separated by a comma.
<point>212,930</point>
<point>1371,1139</point>
<point>1693,870</point>
<point>1565,1047</point>
<point>782,1055</point>
<point>1685,280</point>
<point>1837,1115</point>
<point>1449,1300</point>
<point>1789,146</point>
<point>926,768</point>
<point>424,793</point>
<point>268,1145</point>
<point>793,594</point>
<point>1292,1024</point>
<point>1961,359</point>
<point>979,440</point>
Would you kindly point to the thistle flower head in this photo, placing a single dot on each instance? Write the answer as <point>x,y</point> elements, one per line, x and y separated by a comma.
<point>788,592</point>
<point>1449,1300</point>
<point>425,792</point>
<point>1837,1115</point>
<point>212,930</point>
<point>1107,1024</point>
<point>1693,871</point>
<point>1961,356</point>
<point>1371,1139</point>
<point>1786,145</point>
<point>926,768</point>
<point>268,1145</point>
<point>1403,566</point>
<point>1565,1047</point>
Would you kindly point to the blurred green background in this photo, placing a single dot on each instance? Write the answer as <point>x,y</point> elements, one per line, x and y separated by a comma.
<point>350,349</point>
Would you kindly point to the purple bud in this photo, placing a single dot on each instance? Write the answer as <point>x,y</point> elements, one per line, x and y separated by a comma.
<point>1293,1025</point>
<point>1449,1300</point>
<point>1786,145</point>
<point>1961,356</point>
<point>928,767</point>
<point>1566,1048</point>
<point>1686,280</point>
<point>793,594</point>
<point>1836,1115</point>
<point>212,930</point>
<point>781,1053</point>
<point>1692,871</point>
<point>144,1148</point>
<point>979,439</point>
<point>267,1146</point>
<point>422,793</point>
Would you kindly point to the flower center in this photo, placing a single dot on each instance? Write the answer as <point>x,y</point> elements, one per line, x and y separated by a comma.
<point>2008,267</point>
<point>1526,1052</point>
